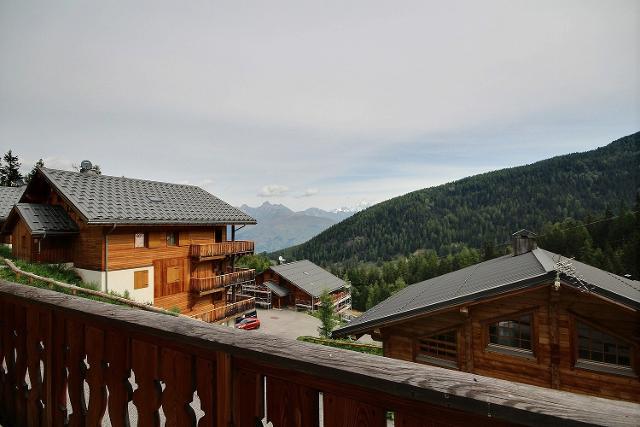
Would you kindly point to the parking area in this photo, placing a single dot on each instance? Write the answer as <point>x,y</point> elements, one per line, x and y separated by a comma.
<point>287,323</point>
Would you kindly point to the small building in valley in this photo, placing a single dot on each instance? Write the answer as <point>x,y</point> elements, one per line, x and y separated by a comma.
<point>533,317</point>
<point>299,285</point>
<point>166,244</point>
<point>9,196</point>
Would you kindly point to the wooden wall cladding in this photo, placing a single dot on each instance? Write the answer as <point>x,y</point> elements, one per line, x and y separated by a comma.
<point>553,361</point>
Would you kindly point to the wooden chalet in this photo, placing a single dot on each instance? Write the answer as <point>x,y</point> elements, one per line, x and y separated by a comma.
<point>298,285</point>
<point>170,245</point>
<point>532,317</point>
<point>9,196</point>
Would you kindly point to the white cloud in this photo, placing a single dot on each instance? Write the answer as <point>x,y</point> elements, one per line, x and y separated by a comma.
<point>309,192</point>
<point>273,190</point>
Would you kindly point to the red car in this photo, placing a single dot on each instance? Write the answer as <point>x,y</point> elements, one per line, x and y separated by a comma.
<point>249,323</point>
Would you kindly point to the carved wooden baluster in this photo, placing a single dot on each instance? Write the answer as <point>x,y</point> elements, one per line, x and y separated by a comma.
<point>177,371</point>
<point>248,397</point>
<point>144,361</point>
<point>34,354</point>
<point>343,412</point>
<point>20,316</point>
<point>8,391</point>
<point>58,351</point>
<point>205,385</point>
<point>76,367</point>
<point>292,405</point>
<point>117,378</point>
<point>94,344</point>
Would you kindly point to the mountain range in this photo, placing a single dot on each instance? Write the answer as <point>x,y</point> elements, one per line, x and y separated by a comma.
<point>280,227</point>
<point>484,209</point>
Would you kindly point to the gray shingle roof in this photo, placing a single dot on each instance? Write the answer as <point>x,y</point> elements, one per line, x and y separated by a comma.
<point>46,219</point>
<point>103,199</point>
<point>9,196</point>
<point>281,291</point>
<point>489,278</point>
<point>309,277</point>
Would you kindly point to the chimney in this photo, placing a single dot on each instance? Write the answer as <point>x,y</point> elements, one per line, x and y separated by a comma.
<point>523,241</point>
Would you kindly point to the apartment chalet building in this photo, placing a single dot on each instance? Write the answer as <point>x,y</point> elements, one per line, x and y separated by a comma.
<point>9,196</point>
<point>164,244</point>
<point>520,317</point>
<point>298,285</point>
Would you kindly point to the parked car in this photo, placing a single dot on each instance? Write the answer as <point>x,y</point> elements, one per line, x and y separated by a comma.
<point>249,323</point>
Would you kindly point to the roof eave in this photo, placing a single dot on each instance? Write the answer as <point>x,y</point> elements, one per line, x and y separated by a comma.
<point>165,222</point>
<point>364,327</point>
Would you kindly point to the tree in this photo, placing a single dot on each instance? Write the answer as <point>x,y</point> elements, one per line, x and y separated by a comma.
<point>30,175</point>
<point>10,171</point>
<point>326,314</point>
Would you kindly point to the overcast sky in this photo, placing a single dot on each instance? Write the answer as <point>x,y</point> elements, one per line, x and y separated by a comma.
<point>321,104</point>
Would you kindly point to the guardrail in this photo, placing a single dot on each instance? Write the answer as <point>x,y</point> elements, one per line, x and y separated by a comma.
<point>205,285</point>
<point>210,250</point>
<point>93,354</point>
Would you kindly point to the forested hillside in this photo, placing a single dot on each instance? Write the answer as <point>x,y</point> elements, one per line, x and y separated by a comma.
<point>484,209</point>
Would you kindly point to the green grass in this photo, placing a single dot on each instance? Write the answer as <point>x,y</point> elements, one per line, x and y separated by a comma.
<point>344,344</point>
<point>58,272</point>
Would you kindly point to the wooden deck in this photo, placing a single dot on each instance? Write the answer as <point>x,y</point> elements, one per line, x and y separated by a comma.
<point>240,377</point>
<point>219,250</point>
<point>204,308</point>
<point>207,285</point>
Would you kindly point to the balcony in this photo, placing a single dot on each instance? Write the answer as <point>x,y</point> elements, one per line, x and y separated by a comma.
<point>220,250</point>
<point>84,357</point>
<point>217,314</point>
<point>207,285</point>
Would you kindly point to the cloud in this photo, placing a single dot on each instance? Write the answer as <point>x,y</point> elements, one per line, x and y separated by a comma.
<point>309,192</point>
<point>273,190</point>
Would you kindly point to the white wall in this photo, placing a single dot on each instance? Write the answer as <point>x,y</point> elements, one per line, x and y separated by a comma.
<point>120,281</point>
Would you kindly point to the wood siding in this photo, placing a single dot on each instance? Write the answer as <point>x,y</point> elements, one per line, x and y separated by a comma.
<point>554,340</point>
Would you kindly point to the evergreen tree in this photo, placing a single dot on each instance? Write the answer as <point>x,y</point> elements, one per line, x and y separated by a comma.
<point>326,314</point>
<point>30,175</point>
<point>10,170</point>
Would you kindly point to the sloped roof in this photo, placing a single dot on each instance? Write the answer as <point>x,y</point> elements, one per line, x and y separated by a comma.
<point>308,277</point>
<point>281,291</point>
<point>104,199</point>
<point>46,219</point>
<point>9,196</point>
<point>491,278</point>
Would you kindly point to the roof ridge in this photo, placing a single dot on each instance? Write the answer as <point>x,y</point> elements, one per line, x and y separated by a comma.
<point>127,178</point>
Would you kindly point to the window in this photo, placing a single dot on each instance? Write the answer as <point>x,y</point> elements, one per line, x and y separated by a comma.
<point>172,238</point>
<point>599,350</point>
<point>218,235</point>
<point>439,349</point>
<point>512,333</point>
<point>139,240</point>
<point>140,279</point>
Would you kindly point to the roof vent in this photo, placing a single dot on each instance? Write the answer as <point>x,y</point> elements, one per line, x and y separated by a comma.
<point>523,241</point>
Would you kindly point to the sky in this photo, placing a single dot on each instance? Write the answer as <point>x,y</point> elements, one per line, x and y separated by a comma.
<point>324,104</point>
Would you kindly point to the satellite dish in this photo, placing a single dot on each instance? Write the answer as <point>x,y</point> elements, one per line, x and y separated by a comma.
<point>86,165</point>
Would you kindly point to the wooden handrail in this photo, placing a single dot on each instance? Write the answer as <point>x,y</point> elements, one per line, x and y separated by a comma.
<point>221,249</point>
<point>205,284</point>
<point>78,341</point>
<point>217,314</point>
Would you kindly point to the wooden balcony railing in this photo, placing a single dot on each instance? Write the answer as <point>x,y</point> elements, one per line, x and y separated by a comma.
<point>205,285</point>
<point>212,250</point>
<point>234,309</point>
<point>84,357</point>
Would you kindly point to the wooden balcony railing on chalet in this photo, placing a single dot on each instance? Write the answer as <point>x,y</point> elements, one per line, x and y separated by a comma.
<point>216,250</point>
<point>206,285</point>
<point>217,314</point>
<point>83,356</point>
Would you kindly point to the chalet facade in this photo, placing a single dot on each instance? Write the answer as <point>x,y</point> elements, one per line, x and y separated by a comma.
<point>9,196</point>
<point>521,317</point>
<point>166,244</point>
<point>298,285</point>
